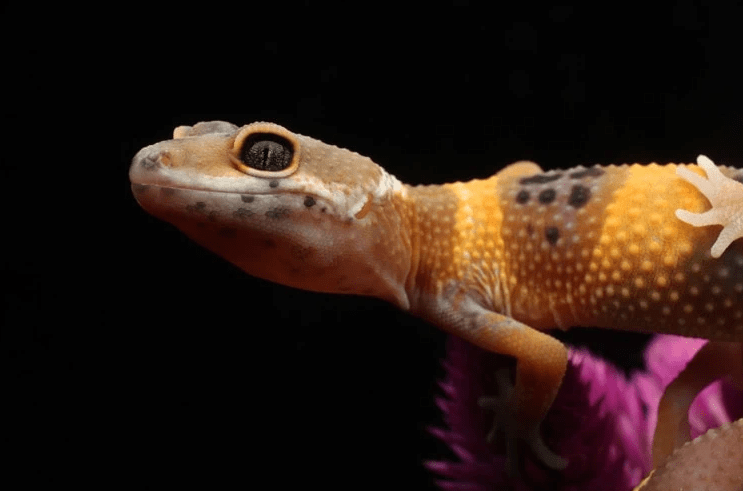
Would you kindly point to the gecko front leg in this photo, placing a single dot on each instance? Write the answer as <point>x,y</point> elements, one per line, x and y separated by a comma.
<point>725,195</point>
<point>541,361</point>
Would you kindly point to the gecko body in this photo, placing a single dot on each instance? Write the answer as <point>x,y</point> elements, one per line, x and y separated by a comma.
<point>496,261</point>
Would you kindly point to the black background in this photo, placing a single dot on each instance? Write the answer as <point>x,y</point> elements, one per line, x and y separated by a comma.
<point>133,356</point>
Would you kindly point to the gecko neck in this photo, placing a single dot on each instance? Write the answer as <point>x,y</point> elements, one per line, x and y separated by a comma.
<point>457,250</point>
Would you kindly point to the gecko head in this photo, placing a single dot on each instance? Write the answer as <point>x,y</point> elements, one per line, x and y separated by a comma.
<point>281,206</point>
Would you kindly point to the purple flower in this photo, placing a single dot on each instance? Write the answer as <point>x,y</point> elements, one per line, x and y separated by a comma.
<point>601,422</point>
<point>596,422</point>
<point>665,357</point>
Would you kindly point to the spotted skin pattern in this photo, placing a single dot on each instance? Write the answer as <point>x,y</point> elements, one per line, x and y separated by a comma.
<point>604,250</point>
<point>496,261</point>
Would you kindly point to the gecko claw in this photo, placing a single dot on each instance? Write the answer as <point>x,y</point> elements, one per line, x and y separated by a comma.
<point>504,419</point>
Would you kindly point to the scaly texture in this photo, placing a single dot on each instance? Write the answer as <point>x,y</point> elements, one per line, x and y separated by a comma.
<point>710,462</point>
<point>495,261</point>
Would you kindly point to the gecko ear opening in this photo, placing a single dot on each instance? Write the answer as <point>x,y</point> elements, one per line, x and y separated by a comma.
<point>265,150</point>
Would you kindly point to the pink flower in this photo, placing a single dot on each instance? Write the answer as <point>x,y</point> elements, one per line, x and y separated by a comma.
<point>600,421</point>
<point>596,422</point>
<point>665,357</point>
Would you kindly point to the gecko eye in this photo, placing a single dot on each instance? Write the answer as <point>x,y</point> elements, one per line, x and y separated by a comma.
<point>266,152</point>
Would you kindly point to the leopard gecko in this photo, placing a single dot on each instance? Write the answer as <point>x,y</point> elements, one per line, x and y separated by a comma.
<point>496,261</point>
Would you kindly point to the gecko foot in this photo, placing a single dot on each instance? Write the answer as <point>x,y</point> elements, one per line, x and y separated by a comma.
<point>504,419</point>
<point>726,197</point>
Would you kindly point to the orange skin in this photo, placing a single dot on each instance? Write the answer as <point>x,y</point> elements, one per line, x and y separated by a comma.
<point>496,261</point>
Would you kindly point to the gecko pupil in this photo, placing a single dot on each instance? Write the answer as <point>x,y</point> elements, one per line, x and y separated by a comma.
<point>265,151</point>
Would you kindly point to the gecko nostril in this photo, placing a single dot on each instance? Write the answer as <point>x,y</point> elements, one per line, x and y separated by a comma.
<point>147,162</point>
<point>153,160</point>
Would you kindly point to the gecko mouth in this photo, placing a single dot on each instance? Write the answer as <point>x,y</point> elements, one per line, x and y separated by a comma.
<point>156,199</point>
<point>141,188</point>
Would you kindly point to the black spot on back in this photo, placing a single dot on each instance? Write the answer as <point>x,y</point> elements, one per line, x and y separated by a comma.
<point>274,183</point>
<point>246,198</point>
<point>540,178</point>
<point>592,172</point>
<point>579,196</point>
<point>309,201</point>
<point>522,197</point>
<point>547,196</point>
<point>552,234</point>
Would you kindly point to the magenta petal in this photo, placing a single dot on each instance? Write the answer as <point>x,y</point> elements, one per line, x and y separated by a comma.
<point>596,421</point>
<point>665,357</point>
